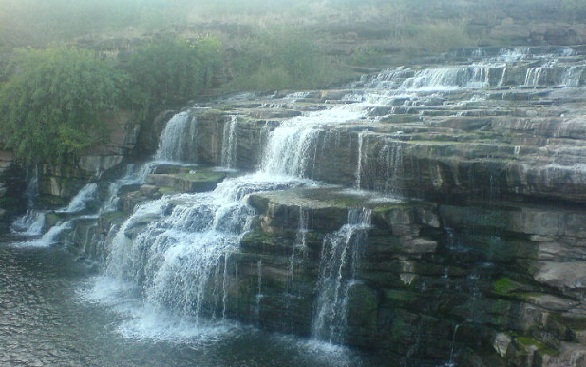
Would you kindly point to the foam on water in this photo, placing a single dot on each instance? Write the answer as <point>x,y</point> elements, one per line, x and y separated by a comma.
<point>51,237</point>
<point>31,224</point>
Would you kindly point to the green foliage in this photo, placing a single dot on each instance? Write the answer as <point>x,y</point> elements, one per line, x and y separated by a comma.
<point>169,72</point>
<point>438,36</point>
<point>281,58</point>
<point>51,108</point>
<point>573,10</point>
<point>367,56</point>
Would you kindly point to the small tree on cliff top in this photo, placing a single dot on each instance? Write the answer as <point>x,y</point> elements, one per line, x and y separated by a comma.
<point>51,108</point>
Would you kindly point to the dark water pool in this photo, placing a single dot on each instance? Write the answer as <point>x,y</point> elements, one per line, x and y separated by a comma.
<point>54,312</point>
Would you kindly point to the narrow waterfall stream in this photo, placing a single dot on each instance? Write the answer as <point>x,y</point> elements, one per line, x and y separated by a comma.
<point>337,268</point>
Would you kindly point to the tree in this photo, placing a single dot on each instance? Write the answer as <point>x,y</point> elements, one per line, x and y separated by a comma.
<point>169,72</point>
<point>52,107</point>
<point>573,10</point>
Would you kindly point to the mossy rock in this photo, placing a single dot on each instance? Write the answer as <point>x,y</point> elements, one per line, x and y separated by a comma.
<point>509,288</point>
<point>528,344</point>
<point>260,242</point>
<point>505,286</point>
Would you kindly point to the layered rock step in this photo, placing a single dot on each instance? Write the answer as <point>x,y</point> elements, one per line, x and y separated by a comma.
<point>508,150</point>
<point>490,274</point>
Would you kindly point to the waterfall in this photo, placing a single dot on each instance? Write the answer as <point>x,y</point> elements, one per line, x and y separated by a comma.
<point>178,141</point>
<point>450,362</point>
<point>338,262</point>
<point>32,187</point>
<point>512,55</point>
<point>174,258</point>
<point>389,79</point>
<point>532,77</point>
<point>502,78</point>
<point>292,146</point>
<point>298,251</point>
<point>229,143</point>
<point>394,168</point>
<point>290,151</point>
<point>52,236</point>
<point>259,296</point>
<point>448,78</point>
<point>361,157</point>
<point>572,76</point>
<point>78,202</point>
<point>176,249</point>
<point>33,222</point>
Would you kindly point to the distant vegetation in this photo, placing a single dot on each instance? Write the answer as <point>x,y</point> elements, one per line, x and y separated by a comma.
<point>277,58</point>
<point>57,79</point>
<point>168,72</point>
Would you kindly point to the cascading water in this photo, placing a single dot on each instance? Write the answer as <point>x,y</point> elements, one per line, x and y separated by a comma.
<point>392,154</point>
<point>52,236</point>
<point>259,296</point>
<point>572,76</point>
<point>130,177</point>
<point>449,78</point>
<point>178,140</point>
<point>361,158</point>
<point>533,77</point>
<point>337,269</point>
<point>78,202</point>
<point>33,222</point>
<point>229,143</point>
<point>299,250</point>
<point>181,255</point>
<point>292,146</point>
<point>176,249</point>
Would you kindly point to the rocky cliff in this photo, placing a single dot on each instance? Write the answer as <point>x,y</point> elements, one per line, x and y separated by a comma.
<point>435,217</point>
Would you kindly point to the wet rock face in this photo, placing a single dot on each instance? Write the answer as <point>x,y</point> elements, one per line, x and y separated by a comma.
<point>488,267</point>
<point>475,245</point>
<point>12,188</point>
<point>429,279</point>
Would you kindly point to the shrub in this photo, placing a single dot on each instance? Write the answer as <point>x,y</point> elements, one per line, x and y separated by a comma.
<point>169,72</point>
<point>281,58</point>
<point>52,107</point>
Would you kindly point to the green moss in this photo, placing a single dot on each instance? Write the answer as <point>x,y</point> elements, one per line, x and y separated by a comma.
<point>505,286</point>
<point>384,208</point>
<point>542,348</point>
